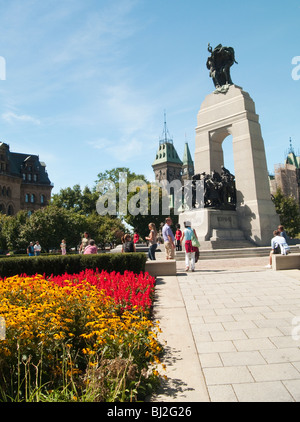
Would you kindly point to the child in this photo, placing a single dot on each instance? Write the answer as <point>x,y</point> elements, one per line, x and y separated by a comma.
<point>178,235</point>
<point>136,236</point>
<point>63,247</point>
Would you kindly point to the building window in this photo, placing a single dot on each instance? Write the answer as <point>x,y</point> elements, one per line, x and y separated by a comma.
<point>10,210</point>
<point>24,176</point>
<point>29,177</point>
<point>43,199</point>
<point>35,177</point>
<point>32,198</point>
<point>27,197</point>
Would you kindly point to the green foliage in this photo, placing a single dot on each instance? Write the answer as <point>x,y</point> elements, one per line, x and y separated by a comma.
<point>10,230</point>
<point>51,224</point>
<point>289,213</point>
<point>57,264</point>
<point>76,200</point>
<point>73,211</point>
<point>104,229</point>
<point>141,220</point>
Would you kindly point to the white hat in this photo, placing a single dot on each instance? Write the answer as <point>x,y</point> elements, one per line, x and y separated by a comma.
<point>187,223</point>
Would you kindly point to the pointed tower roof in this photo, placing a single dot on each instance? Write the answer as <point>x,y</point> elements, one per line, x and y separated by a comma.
<point>187,158</point>
<point>166,152</point>
<point>291,157</point>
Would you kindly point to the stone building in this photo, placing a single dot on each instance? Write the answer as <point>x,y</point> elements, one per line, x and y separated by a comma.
<point>188,170</point>
<point>24,182</point>
<point>167,164</point>
<point>287,176</point>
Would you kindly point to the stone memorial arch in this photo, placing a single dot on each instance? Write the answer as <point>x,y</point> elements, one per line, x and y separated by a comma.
<point>230,111</point>
<point>234,114</point>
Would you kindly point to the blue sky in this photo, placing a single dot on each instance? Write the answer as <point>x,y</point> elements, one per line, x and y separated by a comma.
<point>87,81</point>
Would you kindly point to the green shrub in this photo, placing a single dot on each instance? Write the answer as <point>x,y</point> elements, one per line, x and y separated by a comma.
<point>58,264</point>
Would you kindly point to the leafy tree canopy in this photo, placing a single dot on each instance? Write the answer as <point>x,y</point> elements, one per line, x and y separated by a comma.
<point>83,201</point>
<point>288,209</point>
<point>144,216</point>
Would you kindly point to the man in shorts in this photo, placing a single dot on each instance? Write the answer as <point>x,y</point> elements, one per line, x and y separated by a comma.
<point>169,239</point>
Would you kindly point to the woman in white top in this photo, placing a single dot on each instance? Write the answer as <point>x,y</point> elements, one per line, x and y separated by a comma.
<point>189,249</point>
<point>152,239</point>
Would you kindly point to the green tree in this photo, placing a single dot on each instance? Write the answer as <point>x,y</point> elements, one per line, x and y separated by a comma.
<point>144,217</point>
<point>289,213</point>
<point>3,240</point>
<point>83,201</point>
<point>10,230</point>
<point>104,229</point>
<point>141,222</point>
<point>50,225</point>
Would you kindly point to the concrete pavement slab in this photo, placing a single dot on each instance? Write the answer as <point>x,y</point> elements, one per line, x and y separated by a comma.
<point>232,329</point>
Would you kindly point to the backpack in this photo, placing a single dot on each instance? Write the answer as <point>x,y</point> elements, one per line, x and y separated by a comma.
<point>277,250</point>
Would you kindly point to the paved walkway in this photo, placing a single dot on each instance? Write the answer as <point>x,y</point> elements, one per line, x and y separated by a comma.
<point>232,332</point>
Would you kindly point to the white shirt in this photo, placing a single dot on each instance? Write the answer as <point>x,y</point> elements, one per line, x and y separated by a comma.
<point>280,241</point>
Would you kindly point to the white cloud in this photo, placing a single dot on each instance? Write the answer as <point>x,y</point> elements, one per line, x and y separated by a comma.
<point>127,149</point>
<point>101,143</point>
<point>122,150</point>
<point>11,117</point>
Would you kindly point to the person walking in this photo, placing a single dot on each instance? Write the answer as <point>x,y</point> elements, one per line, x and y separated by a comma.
<point>169,239</point>
<point>152,239</point>
<point>190,250</point>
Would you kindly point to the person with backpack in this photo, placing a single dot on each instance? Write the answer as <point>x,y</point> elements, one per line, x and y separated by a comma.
<point>278,245</point>
<point>190,250</point>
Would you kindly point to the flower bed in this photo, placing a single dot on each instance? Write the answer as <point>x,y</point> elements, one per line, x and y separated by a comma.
<point>83,337</point>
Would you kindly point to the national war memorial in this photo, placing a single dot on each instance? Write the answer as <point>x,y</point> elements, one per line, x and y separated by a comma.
<point>237,210</point>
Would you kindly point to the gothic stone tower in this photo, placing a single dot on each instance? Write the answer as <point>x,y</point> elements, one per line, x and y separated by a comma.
<point>187,164</point>
<point>167,164</point>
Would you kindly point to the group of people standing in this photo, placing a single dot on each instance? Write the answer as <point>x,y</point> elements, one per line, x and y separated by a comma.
<point>188,234</point>
<point>34,249</point>
<point>128,245</point>
<point>88,245</point>
<point>171,242</point>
